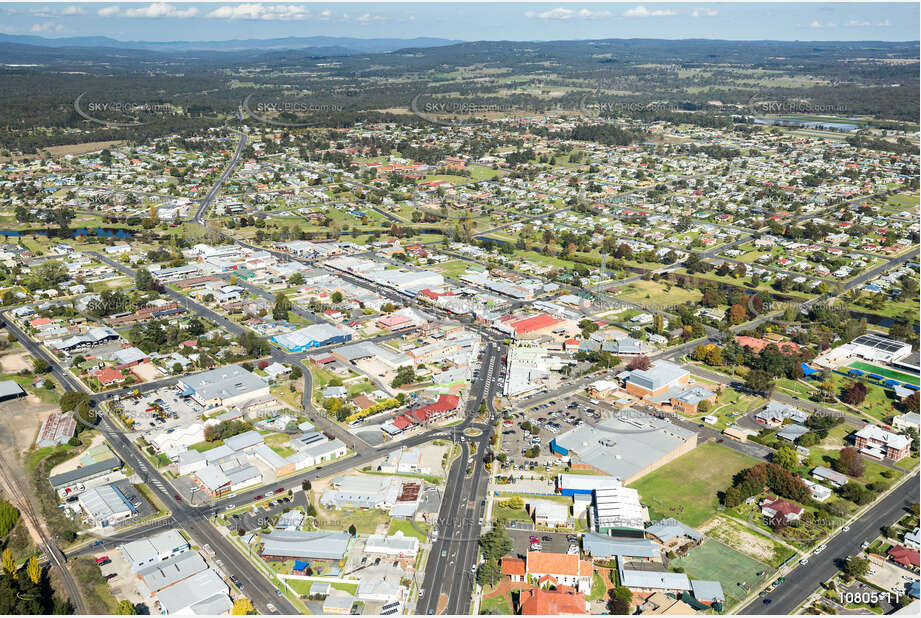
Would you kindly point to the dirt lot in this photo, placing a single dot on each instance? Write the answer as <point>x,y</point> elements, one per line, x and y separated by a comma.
<point>740,539</point>
<point>14,363</point>
<point>146,372</point>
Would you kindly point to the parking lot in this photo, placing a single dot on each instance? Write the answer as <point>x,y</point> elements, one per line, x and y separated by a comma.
<point>547,420</point>
<point>253,520</point>
<point>176,411</point>
<point>552,542</point>
<point>889,576</point>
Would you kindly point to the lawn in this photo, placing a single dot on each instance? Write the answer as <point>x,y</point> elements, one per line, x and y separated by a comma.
<point>687,487</point>
<point>736,572</point>
<point>409,528</point>
<point>498,605</point>
<point>302,586</point>
<point>657,293</point>
<point>452,268</point>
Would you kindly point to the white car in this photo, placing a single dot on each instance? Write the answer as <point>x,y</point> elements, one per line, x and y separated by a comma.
<point>270,607</point>
<point>804,561</point>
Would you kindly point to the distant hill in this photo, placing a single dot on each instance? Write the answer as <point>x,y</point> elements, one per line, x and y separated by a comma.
<point>312,45</point>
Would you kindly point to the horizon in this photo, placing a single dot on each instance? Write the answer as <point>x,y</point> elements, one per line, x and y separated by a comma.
<point>181,22</point>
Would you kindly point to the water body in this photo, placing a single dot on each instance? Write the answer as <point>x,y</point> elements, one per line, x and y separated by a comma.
<point>101,232</point>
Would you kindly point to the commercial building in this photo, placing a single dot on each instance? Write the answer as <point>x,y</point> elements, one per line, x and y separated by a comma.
<point>584,484</point>
<point>617,510</point>
<point>223,387</point>
<point>282,545</point>
<point>313,336</point>
<point>548,514</point>
<point>626,446</point>
<point>604,547</point>
<point>202,593</point>
<point>154,549</point>
<point>561,601</point>
<point>66,480</point>
<point>876,348</point>
<point>639,581</point>
<point>660,377</point>
<point>105,505</point>
<point>156,577</point>
<point>397,545</point>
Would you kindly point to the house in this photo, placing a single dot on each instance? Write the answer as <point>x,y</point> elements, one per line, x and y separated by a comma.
<point>549,514</point>
<point>108,376</point>
<point>562,600</point>
<point>514,569</point>
<point>911,538</point>
<point>550,569</point>
<point>831,476</point>
<point>659,604</point>
<point>908,558</point>
<point>775,413</point>
<point>707,592</point>
<point>778,507</point>
<point>672,533</point>
<point>877,443</point>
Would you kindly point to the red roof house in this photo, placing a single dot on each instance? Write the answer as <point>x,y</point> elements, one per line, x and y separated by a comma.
<point>904,556</point>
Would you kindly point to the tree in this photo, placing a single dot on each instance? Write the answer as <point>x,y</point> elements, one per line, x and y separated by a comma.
<point>336,297</point>
<point>496,543</point>
<point>296,279</point>
<point>9,563</point>
<point>243,607</point>
<point>850,462</point>
<point>9,517</point>
<point>785,457</point>
<point>143,279</point>
<point>620,600</point>
<point>855,566</point>
<point>40,365</point>
<point>638,362</point>
<point>72,400</point>
<point>737,314</point>
<point>703,406</point>
<point>759,381</point>
<point>34,570</point>
<point>127,608</point>
<point>353,530</point>
<point>714,357</point>
<point>855,393</point>
<point>489,573</point>
<point>282,307</point>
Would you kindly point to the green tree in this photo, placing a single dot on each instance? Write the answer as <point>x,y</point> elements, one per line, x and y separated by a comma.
<point>126,608</point>
<point>143,279</point>
<point>282,307</point>
<point>855,566</point>
<point>489,573</point>
<point>496,543</point>
<point>786,457</point>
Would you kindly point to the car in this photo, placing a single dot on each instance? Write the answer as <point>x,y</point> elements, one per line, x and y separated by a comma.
<point>178,498</point>
<point>846,529</point>
<point>473,569</point>
<point>259,497</point>
<point>700,425</point>
<point>546,538</point>
<point>270,607</point>
<point>279,490</point>
<point>102,559</point>
<point>444,553</point>
<point>766,601</point>
<point>719,441</point>
<point>111,576</point>
<point>430,612</point>
<point>533,539</point>
<point>804,561</point>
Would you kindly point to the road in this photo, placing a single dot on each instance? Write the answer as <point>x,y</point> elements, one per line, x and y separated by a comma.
<point>449,581</point>
<point>804,580</point>
<point>203,206</point>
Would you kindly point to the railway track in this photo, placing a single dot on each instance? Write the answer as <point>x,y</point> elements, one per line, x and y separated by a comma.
<point>21,498</point>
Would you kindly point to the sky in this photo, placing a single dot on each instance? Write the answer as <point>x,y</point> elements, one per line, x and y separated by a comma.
<point>525,21</point>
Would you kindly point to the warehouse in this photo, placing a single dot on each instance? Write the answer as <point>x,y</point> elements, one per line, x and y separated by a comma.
<point>617,511</point>
<point>223,387</point>
<point>106,505</point>
<point>154,549</point>
<point>10,390</point>
<point>573,484</point>
<point>313,336</point>
<point>626,446</point>
<point>282,545</point>
<point>203,593</point>
<point>157,577</point>
<point>879,349</point>
<point>66,480</point>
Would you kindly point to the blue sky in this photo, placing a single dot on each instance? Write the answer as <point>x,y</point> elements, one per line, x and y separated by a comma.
<point>162,21</point>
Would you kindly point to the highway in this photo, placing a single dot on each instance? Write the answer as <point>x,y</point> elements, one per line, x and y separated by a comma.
<point>804,580</point>
<point>202,211</point>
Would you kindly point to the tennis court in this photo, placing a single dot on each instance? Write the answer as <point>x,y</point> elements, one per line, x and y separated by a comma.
<point>888,373</point>
<point>736,572</point>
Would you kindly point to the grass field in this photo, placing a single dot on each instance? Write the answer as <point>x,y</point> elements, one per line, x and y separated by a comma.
<point>882,371</point>
<point>687,487</point>
<point>409,529</point>
<point>657,293</point>
<point>302,586</point>
<point>713,560</point>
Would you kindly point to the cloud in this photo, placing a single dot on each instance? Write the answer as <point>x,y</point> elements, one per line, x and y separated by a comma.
<point>561,14</point>
<point>326,15</point>
<point>73,10</point>
<point>47,27</point>
<point>261,12</point>
<point>109,11</point>
<point>862,23</point>
<point>642,11</point>
<point>47,11</point>
<point>816,24</point>
<point>161,9</point>
<point>704,13</point>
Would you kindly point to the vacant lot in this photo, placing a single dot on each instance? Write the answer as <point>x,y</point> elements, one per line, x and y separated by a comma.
<point>648,293</point>
<point>748,542</point>
<point>736,572</point>
<point>686,488</point>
